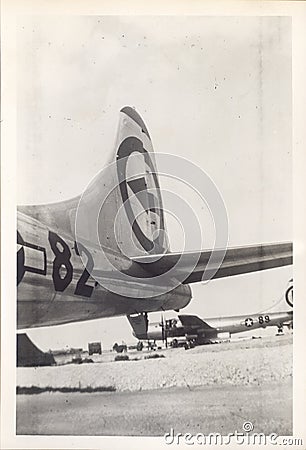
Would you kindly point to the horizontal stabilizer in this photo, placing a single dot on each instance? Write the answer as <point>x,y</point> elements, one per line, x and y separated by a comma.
<point>193,267</point>
<point>194,323</point>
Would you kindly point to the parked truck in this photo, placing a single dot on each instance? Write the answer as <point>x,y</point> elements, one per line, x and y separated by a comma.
<point>94,347</point>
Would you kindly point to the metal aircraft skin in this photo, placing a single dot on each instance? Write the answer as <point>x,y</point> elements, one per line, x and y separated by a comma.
<point>193,328</point>
<point>61,276</point>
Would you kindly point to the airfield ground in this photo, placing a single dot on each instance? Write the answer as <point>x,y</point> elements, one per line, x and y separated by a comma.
<point>207,389</point>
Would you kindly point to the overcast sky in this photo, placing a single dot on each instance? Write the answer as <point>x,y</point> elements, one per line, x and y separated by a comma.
<point>214,90</point>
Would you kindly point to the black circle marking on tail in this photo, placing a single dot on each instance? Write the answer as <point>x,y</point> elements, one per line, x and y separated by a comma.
<point>289,296</point>
<point>127,147</point>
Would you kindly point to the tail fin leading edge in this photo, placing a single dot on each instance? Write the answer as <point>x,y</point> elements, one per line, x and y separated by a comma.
<point>122,207</point>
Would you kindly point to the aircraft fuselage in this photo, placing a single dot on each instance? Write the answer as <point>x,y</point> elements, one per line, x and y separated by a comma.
<point>216,327</point>
<point>54,287</point>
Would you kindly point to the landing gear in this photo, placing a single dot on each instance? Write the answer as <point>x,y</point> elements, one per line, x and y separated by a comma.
<point>188,345</point>
<point>280,330</point>
<point>139,346</point>
<point>175,343</point>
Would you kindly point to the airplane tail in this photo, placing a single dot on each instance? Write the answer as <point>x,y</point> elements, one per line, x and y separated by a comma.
<point>141,223</point>
<point>121,208</point>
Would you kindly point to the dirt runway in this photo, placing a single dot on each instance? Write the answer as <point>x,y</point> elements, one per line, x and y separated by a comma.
<point>204,409</point>
<point>209,389</point>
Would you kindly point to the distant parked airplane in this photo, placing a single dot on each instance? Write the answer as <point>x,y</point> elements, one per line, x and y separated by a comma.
<point>202,331</point>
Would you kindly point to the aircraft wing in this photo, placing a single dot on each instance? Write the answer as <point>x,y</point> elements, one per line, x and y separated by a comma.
<point>193,267</point>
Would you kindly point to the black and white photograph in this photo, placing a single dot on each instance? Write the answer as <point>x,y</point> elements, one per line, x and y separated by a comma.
<point>155,269</point>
